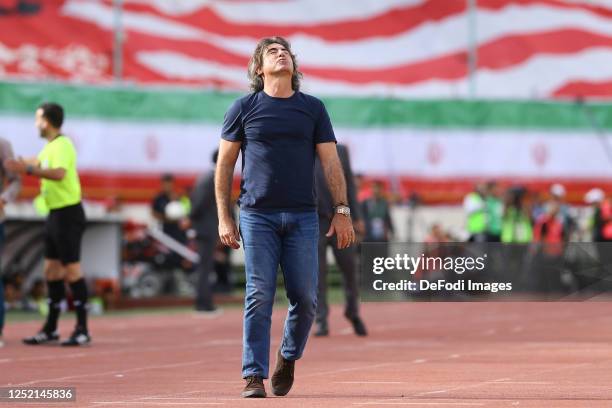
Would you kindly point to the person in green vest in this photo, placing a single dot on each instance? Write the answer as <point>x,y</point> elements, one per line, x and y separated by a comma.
<point>475,208</point>
<point>517,226</point>
<point>56,166</point>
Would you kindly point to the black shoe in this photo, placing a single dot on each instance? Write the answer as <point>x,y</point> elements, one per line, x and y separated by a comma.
<point>77,338</point>
<point>42,337</point>
<point>206,309</point>
<point>254,387</point>
<point>322,330</point>
<point>358,326</point>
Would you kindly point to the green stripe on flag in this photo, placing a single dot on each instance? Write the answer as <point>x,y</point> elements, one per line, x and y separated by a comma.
<point>172,105</point>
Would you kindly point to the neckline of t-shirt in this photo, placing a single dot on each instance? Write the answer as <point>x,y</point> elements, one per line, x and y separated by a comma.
<point>279,97</point>
<point>56,137</point>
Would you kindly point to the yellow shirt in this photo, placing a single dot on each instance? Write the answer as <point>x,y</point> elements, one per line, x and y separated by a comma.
<point>58,153</point>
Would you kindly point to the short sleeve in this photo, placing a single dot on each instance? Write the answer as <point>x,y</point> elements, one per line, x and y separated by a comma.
<point>63,155</point>
<point>323,130</point>
<point>232,123</point>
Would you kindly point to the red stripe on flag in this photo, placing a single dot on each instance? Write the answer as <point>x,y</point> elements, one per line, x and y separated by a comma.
<point>585,89</point>
<point>389,23</point>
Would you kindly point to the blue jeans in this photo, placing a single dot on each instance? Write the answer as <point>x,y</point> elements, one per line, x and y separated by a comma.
<point>272,239</point>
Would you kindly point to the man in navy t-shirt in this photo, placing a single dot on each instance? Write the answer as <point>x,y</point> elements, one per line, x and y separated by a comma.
<point>278,130</point>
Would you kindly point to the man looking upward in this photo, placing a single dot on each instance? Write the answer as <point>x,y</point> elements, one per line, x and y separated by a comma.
<point>278,130</point>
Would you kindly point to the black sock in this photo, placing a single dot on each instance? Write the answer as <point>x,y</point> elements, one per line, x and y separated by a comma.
<point>56,293</point>
<point>79,294</point>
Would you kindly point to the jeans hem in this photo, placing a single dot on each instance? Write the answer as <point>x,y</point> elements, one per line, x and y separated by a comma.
<point>250,374</point>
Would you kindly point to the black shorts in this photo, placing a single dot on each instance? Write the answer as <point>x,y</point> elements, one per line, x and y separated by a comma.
<point>63,232</point>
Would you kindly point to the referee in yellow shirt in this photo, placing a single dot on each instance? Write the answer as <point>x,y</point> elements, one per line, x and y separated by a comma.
<point>61,189</point>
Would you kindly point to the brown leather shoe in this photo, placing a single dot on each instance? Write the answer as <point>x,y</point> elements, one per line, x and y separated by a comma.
<point>254,387</point>
<point>282,379</point>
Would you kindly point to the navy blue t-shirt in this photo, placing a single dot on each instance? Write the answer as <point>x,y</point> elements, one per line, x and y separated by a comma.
<point>278,138</point>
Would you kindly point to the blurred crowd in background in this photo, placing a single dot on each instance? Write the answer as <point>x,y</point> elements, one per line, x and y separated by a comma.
<point>429,98</point>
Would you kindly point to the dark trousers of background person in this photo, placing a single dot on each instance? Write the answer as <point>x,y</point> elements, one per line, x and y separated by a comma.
<point>223,269</point>
<point>604,254</point>
<point>1,279</point>
<point>346,261</point>
<point>206,248</point>
<point>548,268</point>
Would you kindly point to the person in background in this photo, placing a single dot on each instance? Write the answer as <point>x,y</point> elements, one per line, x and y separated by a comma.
<point>551,232</point>
<point>516,222</point>
<point>557,200</point>
<point>601,231</point>
<point>376,213</point>
<point>345,258</point>
<point>594,198</point>
<point>494,208</point>
<point>223,268</point>
<point>360,189</point>
<point>60,186</point>
<point>171,210</point>
<point>169,220</point>
<point>475,208</point>
<point>600,223</point>
<point>10,185</point>
<point>437,234</point>
<point>516,234</point>
<point>205,222</point>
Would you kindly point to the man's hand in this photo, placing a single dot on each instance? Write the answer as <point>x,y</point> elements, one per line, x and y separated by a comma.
<point>228,233</point>
<point>18,166</point>
<point>342,226</point>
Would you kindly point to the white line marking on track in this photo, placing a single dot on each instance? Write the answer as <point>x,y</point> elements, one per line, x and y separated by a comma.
<point>432,392</point>
<point>172,398</point>
<point>106,353</point>
<point>367,367</point>
<point>481,383</point>
<point>114,372</point>
<point>369,382</point>
<point>156,403</point>
<point>421,403</point>
<point>520,382</point>
<point>348,369</point>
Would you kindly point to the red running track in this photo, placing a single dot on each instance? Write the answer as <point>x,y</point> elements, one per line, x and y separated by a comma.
<point>417,355</point>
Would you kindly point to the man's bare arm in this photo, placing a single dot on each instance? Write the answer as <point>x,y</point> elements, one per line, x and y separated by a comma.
<point>340,225</point>
<point>334,175</point>
<point>228,154</point>
<point>22,166</point>
<point>226,161</point>
<point>51,174</point>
